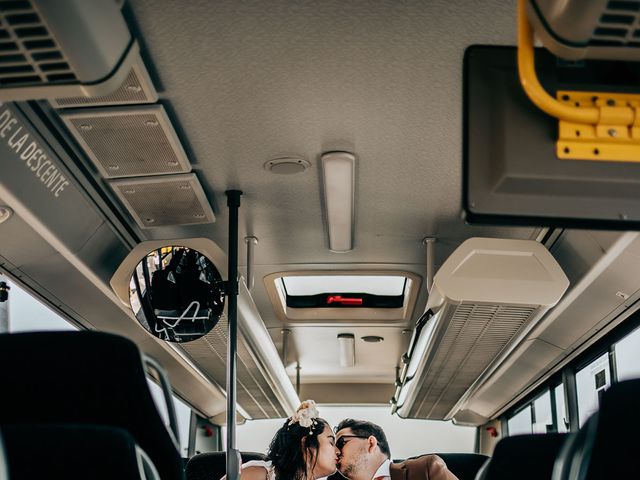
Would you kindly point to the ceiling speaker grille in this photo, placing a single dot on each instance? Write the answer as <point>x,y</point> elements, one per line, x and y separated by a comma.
<point>137,88</point>
<point>475,336</point>
<point>29,55</point>
<point>254,394</point>
<point>128,141</point>
<point>164,201</point>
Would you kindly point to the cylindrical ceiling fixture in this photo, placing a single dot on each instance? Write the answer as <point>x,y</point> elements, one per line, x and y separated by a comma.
<point>338,183</point>
<point>347,349</point>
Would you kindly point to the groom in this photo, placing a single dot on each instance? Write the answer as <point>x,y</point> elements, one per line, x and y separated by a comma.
<point>365,455</point>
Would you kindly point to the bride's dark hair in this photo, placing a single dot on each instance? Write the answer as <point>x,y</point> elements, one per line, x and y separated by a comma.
<point>291,445</point>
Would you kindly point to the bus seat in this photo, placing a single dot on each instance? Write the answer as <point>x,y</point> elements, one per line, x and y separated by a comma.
<point>84,378</point>
<point>74,452</point>
<point>523,457</point>
<point>465,466</point>
<point>606,445</point>
<point>213,465</point>
<point>4,468</point>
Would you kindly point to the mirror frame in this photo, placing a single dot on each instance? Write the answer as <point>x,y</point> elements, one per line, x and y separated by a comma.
<point>120,280</point>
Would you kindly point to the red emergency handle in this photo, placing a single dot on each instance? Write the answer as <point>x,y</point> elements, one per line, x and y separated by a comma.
<point>343,300</point>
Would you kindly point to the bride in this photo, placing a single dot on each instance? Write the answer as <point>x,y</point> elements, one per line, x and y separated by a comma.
<point>303,449</point>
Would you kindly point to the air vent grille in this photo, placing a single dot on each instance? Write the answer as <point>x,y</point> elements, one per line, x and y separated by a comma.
<point>254,394</point>
<point>167,200</point>
<point>128,141</point>
<point>619,25</point>
<point>29,55</point>
<point>136,88</point>
<point>475,336</point>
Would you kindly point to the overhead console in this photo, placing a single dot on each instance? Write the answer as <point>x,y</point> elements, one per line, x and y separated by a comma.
<point>484,300</point>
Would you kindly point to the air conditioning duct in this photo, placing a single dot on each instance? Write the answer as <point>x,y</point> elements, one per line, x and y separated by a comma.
<point>579,30</point>
<point>72,52</point>
<point>485,298</point>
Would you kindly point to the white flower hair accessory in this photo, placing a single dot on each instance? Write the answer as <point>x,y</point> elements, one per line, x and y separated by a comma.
<point>305,415</point>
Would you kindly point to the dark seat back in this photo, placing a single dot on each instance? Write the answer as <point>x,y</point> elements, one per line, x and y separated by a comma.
<point>606,446</point>
<point>84,378</point>
<point>74,452</point>
<point>465,466</point>
<point>524,457</point>
<point>213,465</point>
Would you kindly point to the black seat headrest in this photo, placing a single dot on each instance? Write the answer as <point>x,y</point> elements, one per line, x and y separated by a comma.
<point>524,457</point>
<point>84,378</point>
<point>465,466</point>
<point>73,452</point>
<point>213,465</point>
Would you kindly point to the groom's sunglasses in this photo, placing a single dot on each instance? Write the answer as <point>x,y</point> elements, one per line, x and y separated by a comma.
<point>343,439</point>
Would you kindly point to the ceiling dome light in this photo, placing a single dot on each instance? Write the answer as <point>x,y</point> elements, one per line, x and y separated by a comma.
<point>5,213</point>
<point>287,165</point>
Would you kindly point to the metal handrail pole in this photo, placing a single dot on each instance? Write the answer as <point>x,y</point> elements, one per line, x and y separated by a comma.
<point>233,455</point>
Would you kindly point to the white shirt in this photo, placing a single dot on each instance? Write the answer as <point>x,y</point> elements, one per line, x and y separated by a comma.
<point>383,470</point>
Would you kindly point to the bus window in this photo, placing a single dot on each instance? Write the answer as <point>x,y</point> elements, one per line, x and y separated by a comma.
<point>543,418</point>
<point>521,422</point>
<point>628,356</point>
<point>591,381</point>
<point>27,314</point>
<point>183,414</point>
<point>561,411</point>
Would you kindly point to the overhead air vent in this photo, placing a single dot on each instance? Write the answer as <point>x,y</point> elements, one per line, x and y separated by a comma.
<point>128,141</point>
<point>163,201</point>
<point>67,50</point>
<point>608,30</point>
<point>136,88</point>
<point>484,299</point>
<point>29,53</point>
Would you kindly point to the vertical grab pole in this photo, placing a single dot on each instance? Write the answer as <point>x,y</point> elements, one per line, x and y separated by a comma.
<point>233,455</point>
<point>428,242</point>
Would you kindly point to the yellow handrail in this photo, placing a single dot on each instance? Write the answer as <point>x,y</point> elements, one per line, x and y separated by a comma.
<point>544,101</point>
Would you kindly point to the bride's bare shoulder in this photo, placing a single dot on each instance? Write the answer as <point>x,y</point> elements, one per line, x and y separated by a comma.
<point>254,473</point>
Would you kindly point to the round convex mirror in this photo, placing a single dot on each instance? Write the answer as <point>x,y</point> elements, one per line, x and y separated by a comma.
<point>176,294</point>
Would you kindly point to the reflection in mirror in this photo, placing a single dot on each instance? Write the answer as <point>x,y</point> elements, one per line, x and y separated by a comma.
<point>176,294</point>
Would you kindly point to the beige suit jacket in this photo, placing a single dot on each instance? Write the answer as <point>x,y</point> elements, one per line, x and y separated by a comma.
<point>426,467</point>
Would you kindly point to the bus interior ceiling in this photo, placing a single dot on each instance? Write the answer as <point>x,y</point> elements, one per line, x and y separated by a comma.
<point>246,83</point>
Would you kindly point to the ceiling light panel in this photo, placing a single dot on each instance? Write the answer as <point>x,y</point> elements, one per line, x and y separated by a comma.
<point>338,181</point>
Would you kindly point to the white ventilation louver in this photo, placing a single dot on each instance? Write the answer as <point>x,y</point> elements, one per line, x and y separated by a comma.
<point>484,299</point>
<point>66,50</point>
<point>136,88</point>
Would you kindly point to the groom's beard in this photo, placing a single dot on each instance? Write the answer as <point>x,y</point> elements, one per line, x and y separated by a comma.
<point>351,469</point>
